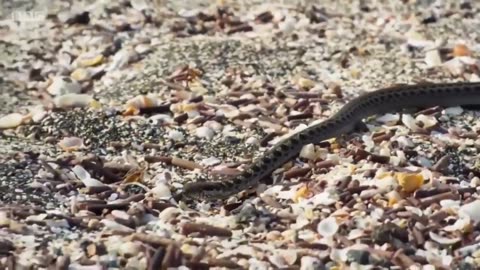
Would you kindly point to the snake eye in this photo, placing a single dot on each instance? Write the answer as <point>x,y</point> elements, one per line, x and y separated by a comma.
<point>247,174</point>
<point>294,141</point>
<point>276,153</point>
<point>255,168</point>
<point>285,146</point>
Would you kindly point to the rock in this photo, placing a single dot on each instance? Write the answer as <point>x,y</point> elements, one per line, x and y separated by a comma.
<point>11,120</point>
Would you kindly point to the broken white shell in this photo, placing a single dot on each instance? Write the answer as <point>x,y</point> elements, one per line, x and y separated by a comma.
<point>85,177</point>
<point>471,210</point>
<point>63,85</point>
<point>432,58</point>
<point>443,240</point>
<point>328,227</point>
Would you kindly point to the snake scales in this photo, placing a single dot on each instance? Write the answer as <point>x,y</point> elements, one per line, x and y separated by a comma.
<point>380,101</point>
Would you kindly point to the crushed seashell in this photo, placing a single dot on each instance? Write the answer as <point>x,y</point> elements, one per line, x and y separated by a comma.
<point>461,50</point>
<point>443,240</point>
<point>176,135</point>
<point>161,191</point>
<point>308,152</point>
<point>409,182</point>
<point>432,58</point>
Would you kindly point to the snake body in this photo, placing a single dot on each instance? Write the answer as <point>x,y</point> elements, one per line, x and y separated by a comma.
<point>376,102</point>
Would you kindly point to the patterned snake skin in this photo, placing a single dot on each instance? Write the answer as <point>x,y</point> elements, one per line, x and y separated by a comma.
<point>380,101</point>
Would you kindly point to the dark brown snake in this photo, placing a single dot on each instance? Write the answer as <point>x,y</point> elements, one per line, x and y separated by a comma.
<point>377,102</point>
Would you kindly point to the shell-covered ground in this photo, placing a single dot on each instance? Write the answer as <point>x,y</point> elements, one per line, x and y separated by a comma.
<point>108,108</point>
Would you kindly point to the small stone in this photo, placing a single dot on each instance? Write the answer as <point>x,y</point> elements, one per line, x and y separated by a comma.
<point>63,85</point>
<point>11,120</point>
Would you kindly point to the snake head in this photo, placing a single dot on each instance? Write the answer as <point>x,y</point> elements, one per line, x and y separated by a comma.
<point>208,191</point>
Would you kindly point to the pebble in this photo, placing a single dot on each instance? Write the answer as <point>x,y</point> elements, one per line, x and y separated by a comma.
<point>12,120</point>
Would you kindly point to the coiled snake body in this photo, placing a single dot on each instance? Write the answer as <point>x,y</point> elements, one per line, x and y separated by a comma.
<point>380,101</point>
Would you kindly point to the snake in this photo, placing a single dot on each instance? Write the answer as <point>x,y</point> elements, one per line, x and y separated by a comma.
<point>389,99</point>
